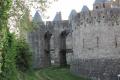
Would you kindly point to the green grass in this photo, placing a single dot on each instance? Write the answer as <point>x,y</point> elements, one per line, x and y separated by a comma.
<point>52,73</point>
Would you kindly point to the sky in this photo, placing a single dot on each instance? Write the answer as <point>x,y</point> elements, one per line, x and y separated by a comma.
<point>65,7</point>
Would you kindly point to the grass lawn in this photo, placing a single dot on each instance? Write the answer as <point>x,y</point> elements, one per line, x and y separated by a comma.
<point>52,73</point>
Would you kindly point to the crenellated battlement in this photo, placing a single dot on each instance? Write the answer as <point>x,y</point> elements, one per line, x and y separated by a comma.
<point>99,17</point>
<point>86,16</point>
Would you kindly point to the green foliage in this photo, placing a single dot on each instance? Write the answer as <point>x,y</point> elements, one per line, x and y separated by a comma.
<point>16,56</point>
<point>25,21</point>
<point>24,56</point>
<point>9,71</point>
<point>15,52</point>
<point>25,25</point>
<point>6,43</point>
<point>4,9</point>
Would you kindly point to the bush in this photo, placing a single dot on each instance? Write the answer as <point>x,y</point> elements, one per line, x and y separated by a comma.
<point>16,56</point>
<point>9,71</point>
<point>24,57</point>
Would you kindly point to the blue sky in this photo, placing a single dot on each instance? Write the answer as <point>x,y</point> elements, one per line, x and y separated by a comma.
<point>65,7</point>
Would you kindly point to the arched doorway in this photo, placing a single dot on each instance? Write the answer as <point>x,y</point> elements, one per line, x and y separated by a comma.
<point>63,50</point>
<point>47,55</point>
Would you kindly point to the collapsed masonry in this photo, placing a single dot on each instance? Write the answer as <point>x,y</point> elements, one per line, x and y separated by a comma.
<point>89,41</point>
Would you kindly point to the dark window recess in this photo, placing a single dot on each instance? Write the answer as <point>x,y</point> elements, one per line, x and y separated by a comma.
<point>78,25</point>
<point>103,5</point>
<point>116,42</point>
<point>84,25</point>
<point>112,24</point>
<point>83,43</point>
<point>90,22</point>
<point>98,21</point>
<point>96,7</point>
<point>75,28</point>
<point>87,20</point>
<point>81,23</point>
<point>97,42</point>
<point>117,23</point>
<point>89,48</point>
<point>78,15</point>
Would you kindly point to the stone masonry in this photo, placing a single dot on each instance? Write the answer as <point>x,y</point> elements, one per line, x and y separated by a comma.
<point>89,41</point>
<point>50,41</point>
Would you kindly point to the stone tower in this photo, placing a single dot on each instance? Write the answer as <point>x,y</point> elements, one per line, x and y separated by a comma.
<point>116,3</point>
<point>102,4</point>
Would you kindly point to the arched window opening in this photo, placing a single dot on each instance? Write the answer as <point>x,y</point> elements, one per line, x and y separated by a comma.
<point>63,48</point>
<point>103,5</point>
<point>97,7</point>
<point>47,55</point>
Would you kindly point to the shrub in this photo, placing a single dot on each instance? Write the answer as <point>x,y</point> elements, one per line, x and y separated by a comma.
<point>9,71</point>
<point>16,56</point>
<point>24,57</point>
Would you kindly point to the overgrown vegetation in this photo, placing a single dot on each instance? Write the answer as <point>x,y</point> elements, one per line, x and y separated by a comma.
<point>9,46</point>
<point>25,25</point>
<point>24,56</point>
<point>16,56</point>
<point>9,71</point>
<point>6,43</point>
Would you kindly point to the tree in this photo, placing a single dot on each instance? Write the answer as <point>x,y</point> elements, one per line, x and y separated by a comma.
<point>20,7</point>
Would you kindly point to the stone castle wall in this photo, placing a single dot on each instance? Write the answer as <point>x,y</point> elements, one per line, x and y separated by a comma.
<point>47,51</point>
<point>90,39</point>
<point>96,46</point>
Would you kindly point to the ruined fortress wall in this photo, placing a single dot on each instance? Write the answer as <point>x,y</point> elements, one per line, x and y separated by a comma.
<point>56,28</point>
<point>47,50</point>
<point>96,46</point>
<point>94,37</point>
